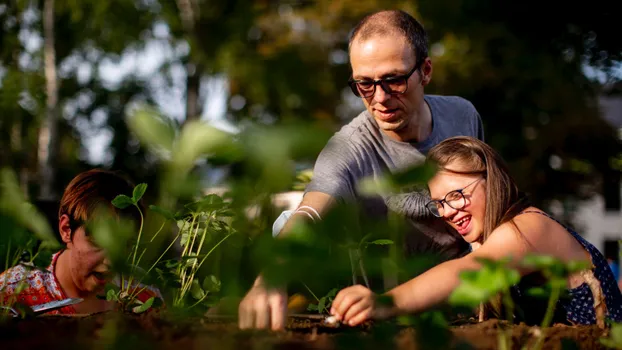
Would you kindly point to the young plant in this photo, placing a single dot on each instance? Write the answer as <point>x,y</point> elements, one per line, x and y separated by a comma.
<point>492,279</point>
<point>110,235</point>
<point>207,219</point>
<point>556,272</point>
<point>324,303</point>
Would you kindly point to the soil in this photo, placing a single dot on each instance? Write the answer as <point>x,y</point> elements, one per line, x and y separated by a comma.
<point>152,331</point>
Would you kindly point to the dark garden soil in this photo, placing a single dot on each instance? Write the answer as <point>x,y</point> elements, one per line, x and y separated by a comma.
<point>152,331</point>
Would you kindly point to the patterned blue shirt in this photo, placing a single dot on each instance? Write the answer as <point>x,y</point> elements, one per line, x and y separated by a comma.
<point>577,307</point>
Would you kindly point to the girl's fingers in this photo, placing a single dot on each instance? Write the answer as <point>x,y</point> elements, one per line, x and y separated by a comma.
<point>345,299</point>
<point>361,317</point>
<point>364,304</point>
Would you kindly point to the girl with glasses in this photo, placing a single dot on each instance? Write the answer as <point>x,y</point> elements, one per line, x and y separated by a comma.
<point>475,194</point>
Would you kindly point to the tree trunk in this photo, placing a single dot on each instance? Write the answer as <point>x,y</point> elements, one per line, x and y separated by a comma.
<point>188,13</point>
<point>48,134</point>
<point>193,84</point>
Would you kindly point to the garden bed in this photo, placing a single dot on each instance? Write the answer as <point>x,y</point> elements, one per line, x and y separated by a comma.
<point>124,331</point>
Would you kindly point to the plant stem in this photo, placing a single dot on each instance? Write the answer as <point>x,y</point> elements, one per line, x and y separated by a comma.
<point>310,291</point>
<point>151,241</point>
<point>352,266</point>
<point>156,263</point>
<point>140,232</point>
<point>182,269</point>
<point>199,301</point>
<point>508,304</point>
<point>193,267</point>
<point>548,316</point>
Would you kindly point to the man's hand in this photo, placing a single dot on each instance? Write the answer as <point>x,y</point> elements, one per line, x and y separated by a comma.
<point>263,307</point>
<point>354,305</point>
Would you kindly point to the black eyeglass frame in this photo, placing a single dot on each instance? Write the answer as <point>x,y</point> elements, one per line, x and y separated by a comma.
<point>444,200</point>
<point>384,83</point>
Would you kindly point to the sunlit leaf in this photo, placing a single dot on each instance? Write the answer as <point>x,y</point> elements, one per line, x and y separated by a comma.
<point>381,242</point>
<point>196,291</point>
<point>138,192</point>
<point>122,201</point>
<point>14,204</point>
<point>165,213</point>
<point>144,306</point>
<point>211,284</point>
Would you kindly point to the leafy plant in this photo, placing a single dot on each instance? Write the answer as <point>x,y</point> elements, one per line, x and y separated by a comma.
<point>492,279</point>
<point>556,272</point>
<point>110,235</point>
<point>324,303</point>
<point>207,218</point>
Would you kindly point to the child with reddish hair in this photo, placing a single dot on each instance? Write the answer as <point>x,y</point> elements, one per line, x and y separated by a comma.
<point>81,269</point>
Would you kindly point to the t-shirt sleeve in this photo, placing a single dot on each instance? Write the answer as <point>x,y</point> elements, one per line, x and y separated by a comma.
<point>333,171</point>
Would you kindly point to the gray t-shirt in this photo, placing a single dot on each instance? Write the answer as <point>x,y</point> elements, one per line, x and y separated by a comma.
<point>360,150</point>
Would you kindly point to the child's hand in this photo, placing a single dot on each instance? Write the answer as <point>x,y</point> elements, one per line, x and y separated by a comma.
<point>354,305</point>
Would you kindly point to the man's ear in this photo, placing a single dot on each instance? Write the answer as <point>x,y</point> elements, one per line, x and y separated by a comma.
<point>64,227</point>
<point>426,71</point>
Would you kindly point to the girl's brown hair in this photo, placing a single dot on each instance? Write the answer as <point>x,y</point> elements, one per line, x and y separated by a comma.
<point>92,189</point>
<point>503,198</point>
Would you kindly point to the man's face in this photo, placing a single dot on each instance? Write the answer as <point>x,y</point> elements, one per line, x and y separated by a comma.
<point>389,56</point>
<point>88,265</point>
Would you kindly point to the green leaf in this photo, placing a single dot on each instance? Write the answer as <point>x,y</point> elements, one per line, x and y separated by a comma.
<point>312,307</point>
<point>538,292</point>
<point>576,266</point>
<point>196,290</point>
<point>165,213</point>
<point>139,191</point>
<point>321,303</point>
<point>122,201</point>
<point>211,284</point>
<point>144,306</point>
<point>381,242</point>
<point>468,294</point>
<point>111,295</point>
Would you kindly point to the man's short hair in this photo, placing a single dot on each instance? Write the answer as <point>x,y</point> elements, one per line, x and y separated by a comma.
<point>91,190</point>
<point>391,22</point>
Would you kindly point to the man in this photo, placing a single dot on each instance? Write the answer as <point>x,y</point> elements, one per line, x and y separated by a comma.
<point>390,68</point>
<point>81,269</point>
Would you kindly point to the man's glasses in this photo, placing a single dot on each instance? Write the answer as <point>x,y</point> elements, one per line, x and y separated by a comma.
<point>455,199</point>
<point>391,85</point>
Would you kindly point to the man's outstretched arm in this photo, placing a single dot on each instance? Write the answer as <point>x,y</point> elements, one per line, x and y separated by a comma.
<point>264,307</point>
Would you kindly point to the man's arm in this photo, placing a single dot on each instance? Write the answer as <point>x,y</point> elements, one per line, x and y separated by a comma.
<point>318,202</point>
<point>264,307</point>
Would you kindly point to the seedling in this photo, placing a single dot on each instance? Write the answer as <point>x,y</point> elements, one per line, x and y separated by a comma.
<point>492,279</point>
<point>207,218</point>
<point>324,303</point>
<point>556,272</point>
<point>106,234</point>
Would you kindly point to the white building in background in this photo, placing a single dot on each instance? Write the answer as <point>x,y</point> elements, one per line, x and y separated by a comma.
<point>600,225</point>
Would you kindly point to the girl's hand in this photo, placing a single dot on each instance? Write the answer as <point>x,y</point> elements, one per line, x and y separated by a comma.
<point>356,304</point>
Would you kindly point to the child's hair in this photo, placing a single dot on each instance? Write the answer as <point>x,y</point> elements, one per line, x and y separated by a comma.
<point>503,198</point>
<point>91,190</point>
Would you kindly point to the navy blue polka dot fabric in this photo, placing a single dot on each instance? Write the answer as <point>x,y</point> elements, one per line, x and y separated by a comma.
<point>578,307</point>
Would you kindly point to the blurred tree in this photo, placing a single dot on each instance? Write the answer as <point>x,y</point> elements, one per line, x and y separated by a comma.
<point>287,61</point>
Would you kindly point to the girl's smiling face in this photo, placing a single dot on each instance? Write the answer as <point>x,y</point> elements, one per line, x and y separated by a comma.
<point>462,200</point>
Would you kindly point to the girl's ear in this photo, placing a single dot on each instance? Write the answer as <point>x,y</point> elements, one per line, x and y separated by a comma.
<point>64,227</point>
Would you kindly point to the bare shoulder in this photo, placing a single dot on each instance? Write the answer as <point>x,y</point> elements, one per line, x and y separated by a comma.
<point>532,227</point>
<point>522,235</point>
